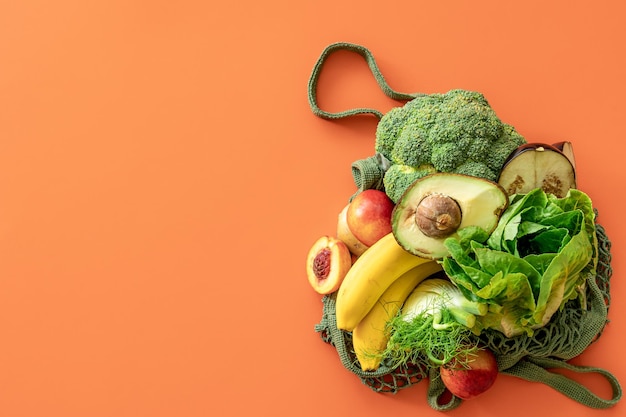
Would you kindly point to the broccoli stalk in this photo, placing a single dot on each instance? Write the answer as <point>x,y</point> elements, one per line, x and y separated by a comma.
<point>453,132</point>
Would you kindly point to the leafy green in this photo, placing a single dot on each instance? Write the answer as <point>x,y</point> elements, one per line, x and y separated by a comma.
<point>537,259</point>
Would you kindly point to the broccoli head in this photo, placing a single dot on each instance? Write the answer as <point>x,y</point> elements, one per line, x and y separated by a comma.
<point>453,132</point>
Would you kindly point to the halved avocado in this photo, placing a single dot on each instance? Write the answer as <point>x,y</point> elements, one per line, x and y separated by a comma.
<point>539,165</point>
<point>435,207</point>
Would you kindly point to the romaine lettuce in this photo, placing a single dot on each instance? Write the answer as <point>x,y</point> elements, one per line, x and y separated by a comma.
<point>537,259</point>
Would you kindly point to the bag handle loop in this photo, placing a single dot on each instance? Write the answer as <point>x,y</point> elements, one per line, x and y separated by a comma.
<point>371,62</point>
<point>538,370</point>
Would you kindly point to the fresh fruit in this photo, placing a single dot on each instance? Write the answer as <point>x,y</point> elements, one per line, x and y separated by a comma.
<point>477,374</point>
<point>327,264</point>
<point>369,216</point>
<point>371,274</point>
<point>538,165</point>
<point>346,236</point>
<point>370,336</point>
<point>434,207</point>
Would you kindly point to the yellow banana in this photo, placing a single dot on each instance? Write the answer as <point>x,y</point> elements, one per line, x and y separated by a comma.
<point>368,278</point>
<point>370,336</point>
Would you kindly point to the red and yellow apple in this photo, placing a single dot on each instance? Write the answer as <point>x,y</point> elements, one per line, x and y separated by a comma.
<point>369,216</point>
<point>477,374</point>
<point>327,264</point>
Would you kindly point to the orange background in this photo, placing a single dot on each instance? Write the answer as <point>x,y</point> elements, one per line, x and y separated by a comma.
<point>162,179</point>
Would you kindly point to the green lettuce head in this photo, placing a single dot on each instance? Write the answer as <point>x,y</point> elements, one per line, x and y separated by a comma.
<point>536,260</point>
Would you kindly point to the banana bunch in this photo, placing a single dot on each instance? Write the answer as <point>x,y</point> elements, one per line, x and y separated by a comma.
<point>373,291</point>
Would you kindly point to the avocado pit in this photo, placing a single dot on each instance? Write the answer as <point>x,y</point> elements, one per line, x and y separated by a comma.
<point>438,215</point>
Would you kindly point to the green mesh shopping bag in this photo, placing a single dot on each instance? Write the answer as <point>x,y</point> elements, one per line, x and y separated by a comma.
<point>535,358</point>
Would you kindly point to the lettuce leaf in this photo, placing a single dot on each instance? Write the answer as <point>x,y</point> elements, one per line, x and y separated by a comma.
<point>537,259</point>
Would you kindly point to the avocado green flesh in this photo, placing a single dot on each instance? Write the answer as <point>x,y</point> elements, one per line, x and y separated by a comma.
<point>481,203</point>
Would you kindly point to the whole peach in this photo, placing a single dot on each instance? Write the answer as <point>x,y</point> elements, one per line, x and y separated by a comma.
<point>369,216</point>
<point>473,379</point>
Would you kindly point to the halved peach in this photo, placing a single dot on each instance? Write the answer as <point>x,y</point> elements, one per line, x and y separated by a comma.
<point>328,262</point>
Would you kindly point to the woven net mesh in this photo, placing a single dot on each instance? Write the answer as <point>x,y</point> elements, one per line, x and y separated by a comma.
<point>569,333</point>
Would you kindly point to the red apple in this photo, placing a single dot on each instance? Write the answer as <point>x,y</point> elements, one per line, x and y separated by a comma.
<point>369,216</point>
<point>475,376</point>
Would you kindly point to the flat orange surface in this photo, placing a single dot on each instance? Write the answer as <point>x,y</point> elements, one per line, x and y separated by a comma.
<point>162,178</point>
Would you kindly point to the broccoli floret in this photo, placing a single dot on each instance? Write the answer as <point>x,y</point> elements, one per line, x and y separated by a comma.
<point>503,147</point>
<point>388,130</point>
<point>465,115</point>
<point>398,178</point>
<point>446,156</point>
<point>476,169</point>
<point>412,147</point>
<point>453,132</point>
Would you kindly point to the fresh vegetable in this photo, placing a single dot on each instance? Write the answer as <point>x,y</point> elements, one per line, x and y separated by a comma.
<point>435,297</point>
<point>399,177</point>
<point>435,322</point>
<point>538,165</point>
<point>455,132</point>
<point>438,205</point>
<point>537,259</point>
